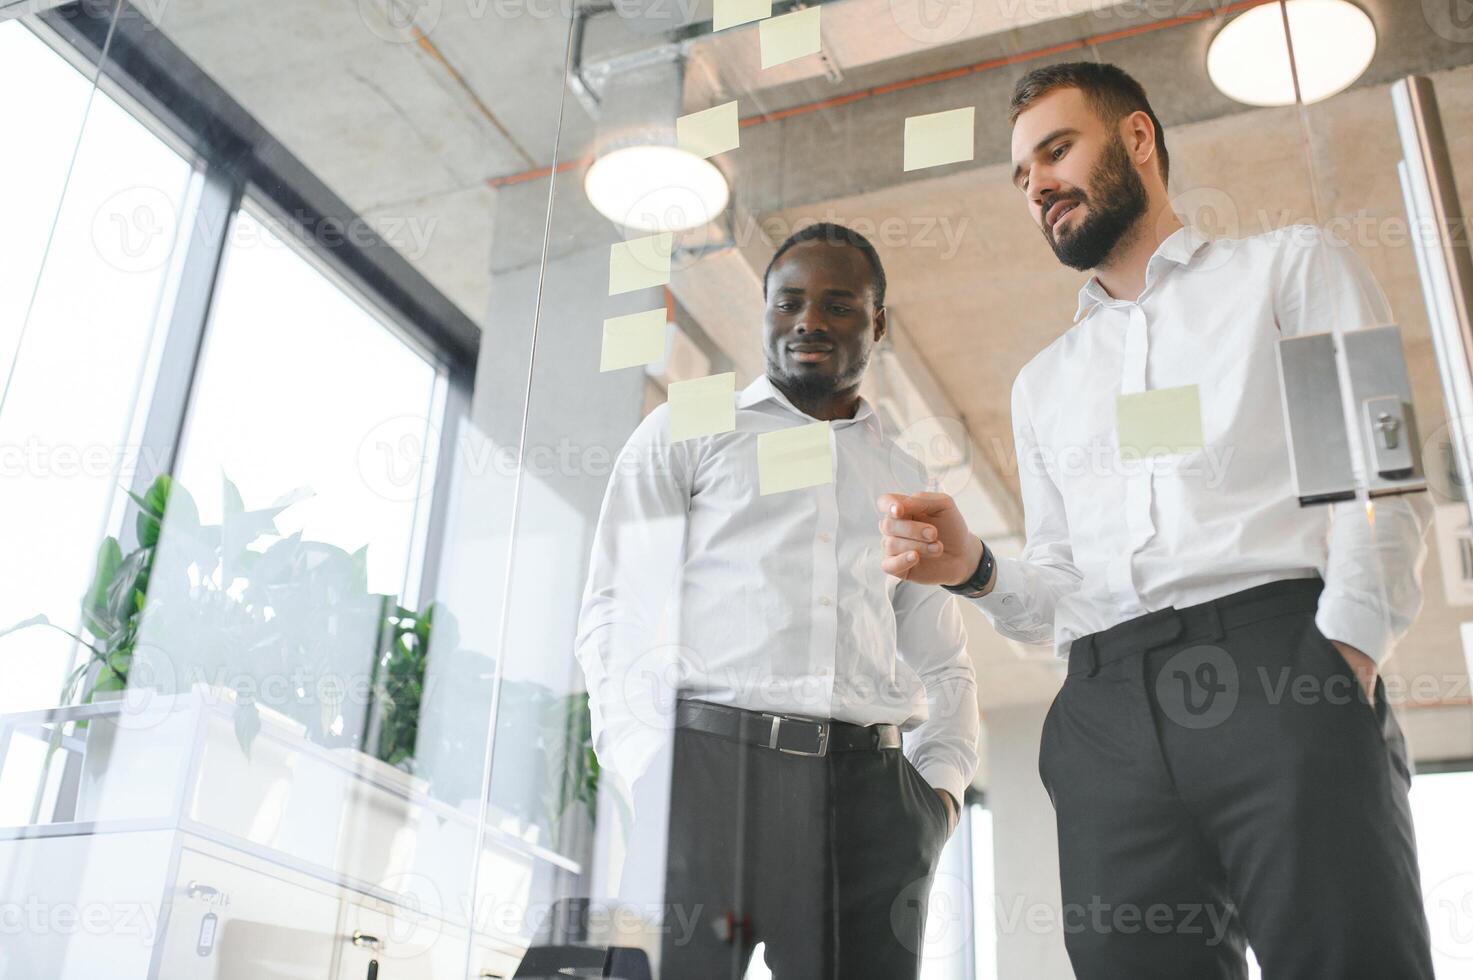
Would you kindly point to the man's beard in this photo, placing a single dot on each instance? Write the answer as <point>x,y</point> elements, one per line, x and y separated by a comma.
<point>816,386</point>
<point>1116,199</point>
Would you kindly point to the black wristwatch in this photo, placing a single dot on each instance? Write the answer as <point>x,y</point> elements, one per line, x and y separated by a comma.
<point>976,584</point>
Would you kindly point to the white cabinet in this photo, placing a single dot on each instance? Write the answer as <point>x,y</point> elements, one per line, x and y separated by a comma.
<point>81,907</point>
<point>228,921</point>
<point>197,861</point>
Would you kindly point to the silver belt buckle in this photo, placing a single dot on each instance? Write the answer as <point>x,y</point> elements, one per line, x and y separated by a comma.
<point>821,735</point>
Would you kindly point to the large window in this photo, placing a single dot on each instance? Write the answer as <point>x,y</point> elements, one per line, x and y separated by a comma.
<point>1441,805</point>
<point>31,183</point>
<point>300,380</point>
<point>92,213</point>
<point>302,384</point>
<point>984,886</point>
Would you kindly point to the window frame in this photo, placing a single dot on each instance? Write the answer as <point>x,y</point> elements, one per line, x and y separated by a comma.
<point>1439,767</point>
<point>135,63</point>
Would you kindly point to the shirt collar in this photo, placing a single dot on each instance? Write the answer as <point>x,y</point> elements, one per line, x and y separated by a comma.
<point>762,390</point>
<point>1179,248</point>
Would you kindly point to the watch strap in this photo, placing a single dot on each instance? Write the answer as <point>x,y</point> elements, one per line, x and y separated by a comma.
<point>974,586</point>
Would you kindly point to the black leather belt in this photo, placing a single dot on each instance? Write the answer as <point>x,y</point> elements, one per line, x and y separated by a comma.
<point>794,734</point>
<point>1205,622</point>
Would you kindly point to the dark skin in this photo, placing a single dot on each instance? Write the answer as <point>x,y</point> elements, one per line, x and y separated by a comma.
<point>820,327</point>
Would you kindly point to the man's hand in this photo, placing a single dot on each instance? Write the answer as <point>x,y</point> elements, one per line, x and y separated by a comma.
<point>925,540</point>
<point>1362,666</point>
<point>951,814</point>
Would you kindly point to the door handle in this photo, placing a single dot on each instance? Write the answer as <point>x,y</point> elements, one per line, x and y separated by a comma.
<point>1389,435</point>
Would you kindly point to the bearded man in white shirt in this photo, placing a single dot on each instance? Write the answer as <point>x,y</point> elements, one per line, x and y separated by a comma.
<point>793,662</point>
<point>1223,765</point>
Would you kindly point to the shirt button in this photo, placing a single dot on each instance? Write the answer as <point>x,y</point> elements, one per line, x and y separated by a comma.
<point>825,537</point>
<point>825,601</point>
<point>1007,599</point>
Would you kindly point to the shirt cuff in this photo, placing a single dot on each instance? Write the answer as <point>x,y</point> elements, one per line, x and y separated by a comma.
<point>1003,599</point>
<point>943,775</point>
<point>1357,625</point>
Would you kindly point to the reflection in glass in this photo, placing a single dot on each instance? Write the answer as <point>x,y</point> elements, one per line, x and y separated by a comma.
<point>302,385</point>
<point>79,328</point>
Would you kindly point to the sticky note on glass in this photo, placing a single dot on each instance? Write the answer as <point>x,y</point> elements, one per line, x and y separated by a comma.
<point>938,138</point>
<point>791,459</point>
<point>1163,422</point>
<point>730,13</point>
<point>790,36</point>
<point>640,263</point>
<point>636,338</point>
<point>710,131</point>
<point>702,407</point>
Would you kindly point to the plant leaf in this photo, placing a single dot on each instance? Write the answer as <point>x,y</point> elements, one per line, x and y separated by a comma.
<point>238,531</point>
<point>147,527</point>
<point>164,497</point>
<point>131,576</point>
<point>233,502</point>
<point>107,680</point>
<point>109,558</point>
<point>156,497</point>
<point>293,497</point>
<point>247,725</point>
<point>37,620</point>
<point>359,560</point>
<point>69,689</point>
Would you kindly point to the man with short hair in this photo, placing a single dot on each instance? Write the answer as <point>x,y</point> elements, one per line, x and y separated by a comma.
<point>1201,802</point>
<point>795,820</point>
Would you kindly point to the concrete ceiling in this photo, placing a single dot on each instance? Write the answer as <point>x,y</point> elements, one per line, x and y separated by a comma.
<point>445,111</point>
<point>406,108</point>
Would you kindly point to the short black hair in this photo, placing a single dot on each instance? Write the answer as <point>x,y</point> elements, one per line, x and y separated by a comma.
<point>833,234</point>
<point>1110,91</point>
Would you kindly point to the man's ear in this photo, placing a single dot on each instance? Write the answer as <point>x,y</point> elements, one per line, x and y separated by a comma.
<point>1140,135</point>
<point>881,322</point>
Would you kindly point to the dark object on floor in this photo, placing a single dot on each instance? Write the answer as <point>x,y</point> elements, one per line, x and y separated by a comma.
<point>558,962</point>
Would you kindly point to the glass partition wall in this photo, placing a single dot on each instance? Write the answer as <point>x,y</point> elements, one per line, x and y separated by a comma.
<point>1368,180</point>
<point>248,719</point>
<point>389,465</point>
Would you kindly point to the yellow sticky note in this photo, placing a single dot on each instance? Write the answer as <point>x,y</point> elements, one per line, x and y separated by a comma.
<point>938,138</point>
<point>790,459</point>
<point>730,13</point>
<point>1162,422</point>
<point>703,406</point>
<point>636,338</point>
<point>789,36</point>
<point>710,131</point>
<point>640,263</point>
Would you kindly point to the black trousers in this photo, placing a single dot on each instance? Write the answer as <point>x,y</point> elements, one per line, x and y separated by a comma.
<point>1219,779</point>
<point>826,860</point>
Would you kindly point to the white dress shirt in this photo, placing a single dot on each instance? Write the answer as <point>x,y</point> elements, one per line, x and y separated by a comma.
<point>1112,538</point>
<point>773,603</point>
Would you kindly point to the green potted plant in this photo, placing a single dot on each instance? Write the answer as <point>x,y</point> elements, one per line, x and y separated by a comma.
<point>545,763</point>
<point>209,607</point>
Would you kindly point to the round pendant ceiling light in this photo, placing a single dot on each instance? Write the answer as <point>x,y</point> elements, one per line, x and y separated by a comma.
<point>1334,42</point>
<point>640,178</point>
<point>654,187</point>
